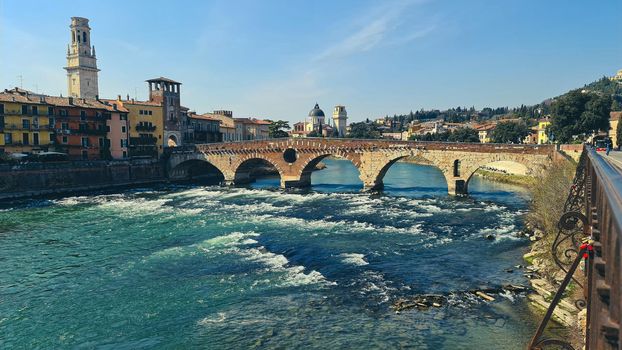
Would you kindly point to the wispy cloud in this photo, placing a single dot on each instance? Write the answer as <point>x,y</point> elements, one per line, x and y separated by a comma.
<point>377,29</point>
<point>389,24</point>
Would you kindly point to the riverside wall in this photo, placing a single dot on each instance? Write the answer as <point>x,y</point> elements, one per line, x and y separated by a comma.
<point>38,179</point>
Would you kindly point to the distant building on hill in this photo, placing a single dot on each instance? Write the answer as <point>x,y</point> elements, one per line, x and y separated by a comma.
<point>484,132</point>
<point>543,135</point>
<point>617,77</point>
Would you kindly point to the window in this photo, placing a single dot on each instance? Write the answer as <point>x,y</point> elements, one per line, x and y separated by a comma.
<point>124,154</point>
<point>83,115</point>
<point>24,109</point>
<point>50,110</point>
<point>101,142</point>
<point>107,128</point>
<point>150,112</point>
<point>456,168</point>
<point>123,117</point>
<point>52,122</point>
<point>85,155</point>
<point>64,140</point>
<point>35,139</point>
<point>123,129</point>
<point>8,139</point>
<point>35,110</point>
<point>25,139</point>
<point>1,108</point>
<point>64,126</point>
<point>62,112</point>
<point>26,124</point>
<point>84,36</point>
<point>1,121</point>
<point>85,142</point>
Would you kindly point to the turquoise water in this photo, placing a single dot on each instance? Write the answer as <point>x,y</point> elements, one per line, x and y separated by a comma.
<point>233,268</point>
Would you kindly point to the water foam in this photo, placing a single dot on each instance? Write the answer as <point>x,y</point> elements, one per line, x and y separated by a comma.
<point>354,259</point>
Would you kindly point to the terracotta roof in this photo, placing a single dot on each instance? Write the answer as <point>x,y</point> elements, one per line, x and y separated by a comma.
<point>166,80</point>
<point>485,127</point>
<point>141,103</point>
<point>262,122</point>
<point>206,116</point>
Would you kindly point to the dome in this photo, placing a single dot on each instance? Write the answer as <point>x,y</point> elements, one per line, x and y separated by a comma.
<point>316,111</point>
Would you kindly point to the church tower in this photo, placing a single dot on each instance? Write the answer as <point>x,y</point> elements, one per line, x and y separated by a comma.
<point>81,61</point>
<point>340,119</point>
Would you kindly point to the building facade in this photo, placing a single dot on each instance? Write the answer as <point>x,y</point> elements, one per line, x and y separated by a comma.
<point>203,128</point>
<point>251,129</point>
<point>82,80</point>
<point>145,127</point>
<point>80,128</point>
<point>25,122</point>
<point>543,136</point>
<point>227,124</point>
<point>117,128</point>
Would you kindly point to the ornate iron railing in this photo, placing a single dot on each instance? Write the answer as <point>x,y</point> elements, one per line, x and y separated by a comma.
<point>591,229</point>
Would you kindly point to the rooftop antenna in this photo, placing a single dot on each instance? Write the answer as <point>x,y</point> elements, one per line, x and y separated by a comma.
<point>21,81</point>
<point>135,93</point>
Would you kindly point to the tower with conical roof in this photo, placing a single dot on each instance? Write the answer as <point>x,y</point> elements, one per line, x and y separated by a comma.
<point>81,67</point>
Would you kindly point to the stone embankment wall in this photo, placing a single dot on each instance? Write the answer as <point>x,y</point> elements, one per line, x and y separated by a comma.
<point>34,179</point>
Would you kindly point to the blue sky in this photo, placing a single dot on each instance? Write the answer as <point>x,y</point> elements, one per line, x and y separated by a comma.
<point>276,58</point>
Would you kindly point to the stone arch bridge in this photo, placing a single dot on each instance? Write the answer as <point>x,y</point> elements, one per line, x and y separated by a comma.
<point>295,159</point>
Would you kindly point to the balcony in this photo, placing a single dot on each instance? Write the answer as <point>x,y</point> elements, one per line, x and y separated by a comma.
<point>136,141</point>
<point>33,127</point>
<point>88,131</point>
<point>143,127</point>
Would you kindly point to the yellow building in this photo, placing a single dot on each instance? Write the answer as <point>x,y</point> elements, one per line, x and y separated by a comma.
<point>146,126</point>
<point>24,122</point>
<point>484,132</point>
<point>613,127</point>
<point>543,136</point>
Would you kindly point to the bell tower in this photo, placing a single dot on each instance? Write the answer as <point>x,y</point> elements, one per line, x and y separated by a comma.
<point>81,61</point>
<point>340,120</point>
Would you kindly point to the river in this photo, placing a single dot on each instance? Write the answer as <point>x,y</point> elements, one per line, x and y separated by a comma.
<point>234,268</point>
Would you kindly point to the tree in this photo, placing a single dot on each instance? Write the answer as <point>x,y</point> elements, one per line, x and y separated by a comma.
<point>314,133</point>
<point>619,132</point>
<point>510,132</point>
<point>464,135</point>
<point>579,113</point>
<point>275,129</point>
<point>616,106</point>
<point>364,130</point>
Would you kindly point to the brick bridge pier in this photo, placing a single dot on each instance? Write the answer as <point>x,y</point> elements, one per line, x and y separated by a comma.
<point>295,159</point>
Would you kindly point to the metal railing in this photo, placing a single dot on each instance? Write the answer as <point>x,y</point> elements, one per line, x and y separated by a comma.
<point>603,202</point>
<point>591,229</point>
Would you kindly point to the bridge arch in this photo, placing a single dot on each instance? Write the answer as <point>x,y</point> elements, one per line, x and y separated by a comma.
<point>197,168</point>
<point>530,167</point>
<point>374,180</point>
<point>249,168</point>
<point>308,164</point>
